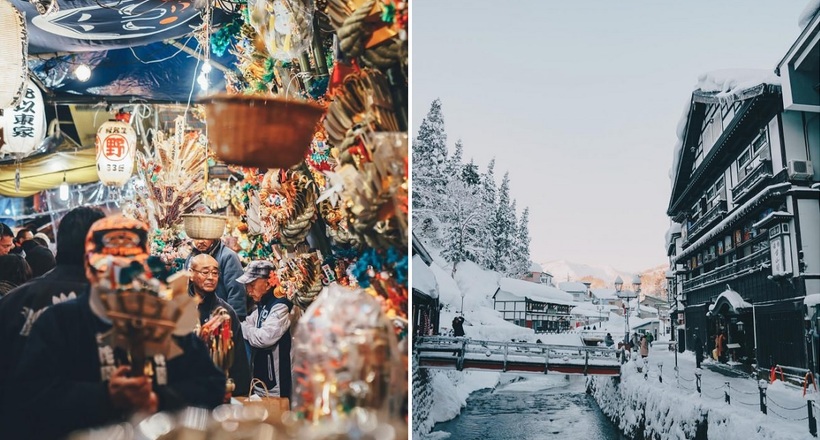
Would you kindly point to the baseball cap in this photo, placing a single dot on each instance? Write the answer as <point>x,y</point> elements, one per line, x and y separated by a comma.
<point>255,270</point>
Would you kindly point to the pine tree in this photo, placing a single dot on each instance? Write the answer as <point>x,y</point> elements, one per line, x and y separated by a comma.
<point>486,257</point>
<point>469,174</point>
<point>502,228</point>
<point>522,254</point>
<point>429,173</point>
<point>464,213</point>
<point>454,164</point>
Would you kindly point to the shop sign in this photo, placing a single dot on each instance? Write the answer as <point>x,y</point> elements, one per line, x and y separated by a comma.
<point>116,146</point>
<point>24,126</point>
<point>780,249</point>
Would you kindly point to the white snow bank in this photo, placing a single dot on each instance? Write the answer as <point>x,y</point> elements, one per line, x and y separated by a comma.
<point>423,278</point>
<point>812,300</point>
<point>674,228</point>
<point>677,149</point>
<point>535,267</point>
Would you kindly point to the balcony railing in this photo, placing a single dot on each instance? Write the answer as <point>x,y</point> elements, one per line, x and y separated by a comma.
<point>713,214</point>
<point>763,171</point>
<point>752,263</point>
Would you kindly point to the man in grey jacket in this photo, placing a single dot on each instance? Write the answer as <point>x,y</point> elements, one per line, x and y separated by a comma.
<point>230,290</point>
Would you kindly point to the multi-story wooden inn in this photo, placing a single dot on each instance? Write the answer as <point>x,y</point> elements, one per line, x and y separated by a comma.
<point>745,251</point>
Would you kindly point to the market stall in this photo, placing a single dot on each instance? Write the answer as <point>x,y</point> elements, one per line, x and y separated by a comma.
<point>275,126</point>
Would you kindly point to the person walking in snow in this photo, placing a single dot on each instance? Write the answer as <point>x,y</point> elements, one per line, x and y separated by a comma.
<point>644,347</point>
<point>458,326</point>
<point>698,349</point>
<point>608,341</point>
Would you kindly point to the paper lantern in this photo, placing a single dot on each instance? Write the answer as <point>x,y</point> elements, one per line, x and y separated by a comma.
<point>116,145</point>
<point>24,126</point>
<point>13,55</point>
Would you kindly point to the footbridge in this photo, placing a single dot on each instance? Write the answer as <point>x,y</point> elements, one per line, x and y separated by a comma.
<point>459,353</point>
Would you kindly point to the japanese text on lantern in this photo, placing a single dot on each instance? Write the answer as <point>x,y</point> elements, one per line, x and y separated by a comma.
<point>24,120</point>
<point>115,147</point>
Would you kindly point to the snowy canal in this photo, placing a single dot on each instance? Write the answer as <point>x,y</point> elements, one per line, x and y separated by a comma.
<point>532,407</point>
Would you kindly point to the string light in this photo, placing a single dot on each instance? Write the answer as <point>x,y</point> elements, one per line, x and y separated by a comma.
<point>64,189</point>
<point>82,72</point>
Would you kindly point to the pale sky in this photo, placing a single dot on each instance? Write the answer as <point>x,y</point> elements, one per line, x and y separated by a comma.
<point>579,100</point>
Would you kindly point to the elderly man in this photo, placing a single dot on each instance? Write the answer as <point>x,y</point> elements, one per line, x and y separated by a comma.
<point>204,279</point>
<point>71,378</point>
<point>230,268</point>
<point>267,329</point>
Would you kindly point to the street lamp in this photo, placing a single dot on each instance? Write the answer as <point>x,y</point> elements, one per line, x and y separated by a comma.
<point>625,297</point>
<point>636,286</point>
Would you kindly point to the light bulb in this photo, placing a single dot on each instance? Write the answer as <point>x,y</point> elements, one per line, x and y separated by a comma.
<point>202,80</point>
<point>64,190</point>
<point>206,67</point>
<point>82,72</point>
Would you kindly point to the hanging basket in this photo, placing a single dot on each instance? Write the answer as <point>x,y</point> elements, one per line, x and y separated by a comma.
<point>260,131</point>
<point>204,226</point>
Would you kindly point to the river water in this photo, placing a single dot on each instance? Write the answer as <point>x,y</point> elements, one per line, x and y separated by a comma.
<point>532,407</point>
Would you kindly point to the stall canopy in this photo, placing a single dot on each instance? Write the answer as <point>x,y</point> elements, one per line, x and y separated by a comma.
<point>137,49</point>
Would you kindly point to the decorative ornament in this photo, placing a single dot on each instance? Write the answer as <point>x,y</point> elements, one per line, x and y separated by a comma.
<point>116,146</point>
<point>13,55</point>
<point>286,26</point>
<point>24,126</point>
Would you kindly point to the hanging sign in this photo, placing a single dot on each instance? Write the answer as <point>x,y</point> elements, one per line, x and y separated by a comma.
<point>780,249</point>
<point>116,146</point>
<point>13,55</point>
<point>24,126</point>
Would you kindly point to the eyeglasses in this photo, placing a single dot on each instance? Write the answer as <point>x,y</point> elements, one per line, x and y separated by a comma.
<point>207,273</point>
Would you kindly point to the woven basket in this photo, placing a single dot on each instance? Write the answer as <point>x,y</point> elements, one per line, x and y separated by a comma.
<point>260,131</point>
<point>204,226</point>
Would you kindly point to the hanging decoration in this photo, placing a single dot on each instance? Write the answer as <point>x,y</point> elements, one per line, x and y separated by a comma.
<point>171,173</point>
<point>217,194</point>
<point>24,126</point>
<point>116,146</point>
<point>285,26</point>
<point>13,55</point>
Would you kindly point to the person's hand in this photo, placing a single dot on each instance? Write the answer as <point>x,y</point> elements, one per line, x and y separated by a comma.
<point>132,394</point>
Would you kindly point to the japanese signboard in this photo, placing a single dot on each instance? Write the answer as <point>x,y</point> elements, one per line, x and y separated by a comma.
<point>116,146</point>
<point>781,250</point>
<point>24,126</point>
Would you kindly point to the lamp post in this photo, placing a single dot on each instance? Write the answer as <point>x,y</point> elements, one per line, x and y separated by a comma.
<point>636,287</point>
<point>625,297</point>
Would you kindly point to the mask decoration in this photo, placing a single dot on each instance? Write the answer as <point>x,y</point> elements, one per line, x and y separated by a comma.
<point>144,304</point>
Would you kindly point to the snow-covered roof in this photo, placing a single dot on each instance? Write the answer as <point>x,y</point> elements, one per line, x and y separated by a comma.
<point>776,214</point>
<point>674,229</point>
<point>604,293</point>
<point>812,9</point>
<point>535,267</point>
<point>728,83</point>
<point>535,291</point>
<point>812,300</point>
<point>423,278</point>
<point>733,298</point>
<point>572,286</point>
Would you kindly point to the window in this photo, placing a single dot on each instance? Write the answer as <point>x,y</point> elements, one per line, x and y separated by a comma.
<point>760,142</point>
<point>742,160</point>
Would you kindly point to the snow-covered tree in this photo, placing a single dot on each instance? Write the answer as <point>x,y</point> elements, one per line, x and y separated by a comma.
<point>469,174</point>
<point>464,213</point>
<point>502,228</point>
<point>454,165</point>
<point>521,259</point>
<point>429,172</point>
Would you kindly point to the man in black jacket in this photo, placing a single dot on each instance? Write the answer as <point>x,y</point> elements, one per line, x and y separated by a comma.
<point>38,257</point>
<point>71,378</point>
<point>23,305</point>
<point>204,278</point>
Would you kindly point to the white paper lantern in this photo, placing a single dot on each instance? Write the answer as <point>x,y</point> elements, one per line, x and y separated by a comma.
<point>116,146</point>
<point>13,55</point>
<point>24,126</point>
